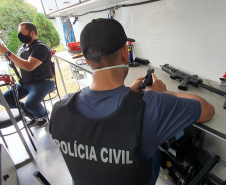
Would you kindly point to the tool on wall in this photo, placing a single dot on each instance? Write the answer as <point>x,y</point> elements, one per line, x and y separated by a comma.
<point>111,14</point>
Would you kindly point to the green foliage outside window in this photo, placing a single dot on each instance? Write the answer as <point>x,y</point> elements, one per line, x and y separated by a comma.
<point>13,12</point>
<point>14,42</point>
<point>46,31</point>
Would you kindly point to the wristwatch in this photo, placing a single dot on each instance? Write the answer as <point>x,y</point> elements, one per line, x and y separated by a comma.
<point>7,54</point>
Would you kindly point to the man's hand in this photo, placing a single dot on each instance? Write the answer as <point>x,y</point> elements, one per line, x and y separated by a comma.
<point>28,65</point>
<point>136,86</point>
<point>3,49</point>
<point>157,85</point>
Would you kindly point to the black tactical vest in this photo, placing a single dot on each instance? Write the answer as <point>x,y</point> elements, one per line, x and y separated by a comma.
<point>42,72</point>
<point>103,151</point>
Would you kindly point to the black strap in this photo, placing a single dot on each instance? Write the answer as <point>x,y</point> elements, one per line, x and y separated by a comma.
<point>11,64</point>
<point>138,95</point>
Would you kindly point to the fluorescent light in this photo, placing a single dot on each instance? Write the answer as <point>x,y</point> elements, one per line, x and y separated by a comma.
<point>66,2</point>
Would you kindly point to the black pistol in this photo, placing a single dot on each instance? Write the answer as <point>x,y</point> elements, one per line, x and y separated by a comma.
<point>148,78</point>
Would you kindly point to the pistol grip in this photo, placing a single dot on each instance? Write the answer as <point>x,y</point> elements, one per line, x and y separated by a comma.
<point>183,85</point>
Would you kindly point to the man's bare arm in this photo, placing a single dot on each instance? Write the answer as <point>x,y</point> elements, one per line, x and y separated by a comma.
<point>28,65</point>
<point>208,110</point>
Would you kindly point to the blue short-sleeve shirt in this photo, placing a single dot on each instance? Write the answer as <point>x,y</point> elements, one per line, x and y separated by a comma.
<point>165,115</point>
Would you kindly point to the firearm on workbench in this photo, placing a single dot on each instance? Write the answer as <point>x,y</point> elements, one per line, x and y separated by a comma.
<point>148,78</point>
<point>186,79</point>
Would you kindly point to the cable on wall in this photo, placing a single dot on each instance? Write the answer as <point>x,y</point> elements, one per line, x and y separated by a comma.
<point>118,6</point>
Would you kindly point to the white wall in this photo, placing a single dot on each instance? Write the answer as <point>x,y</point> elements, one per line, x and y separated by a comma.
<point>189,35</point>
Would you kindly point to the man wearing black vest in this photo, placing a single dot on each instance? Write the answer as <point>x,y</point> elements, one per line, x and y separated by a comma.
<point>108,133</point>
<point>34,60</point>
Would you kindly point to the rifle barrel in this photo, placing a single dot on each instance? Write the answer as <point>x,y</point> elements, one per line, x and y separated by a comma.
<point>212,89</point>
<point>193,80</point>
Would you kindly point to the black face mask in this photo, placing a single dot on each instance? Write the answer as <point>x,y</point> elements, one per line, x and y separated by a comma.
<point>24,38</point>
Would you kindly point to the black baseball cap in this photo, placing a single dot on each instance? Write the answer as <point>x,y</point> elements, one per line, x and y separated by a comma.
<point>106,34</point>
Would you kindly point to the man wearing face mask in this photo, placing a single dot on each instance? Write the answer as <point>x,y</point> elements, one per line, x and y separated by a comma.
<point>110,132</point>
<point>34,60</point>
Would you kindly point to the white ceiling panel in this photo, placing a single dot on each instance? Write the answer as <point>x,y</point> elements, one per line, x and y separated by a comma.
<point>49,6</point>
<point>66,3</point>
<point>74,7</point>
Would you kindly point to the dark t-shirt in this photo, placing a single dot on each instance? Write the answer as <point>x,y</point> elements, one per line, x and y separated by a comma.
<point>40,51</point>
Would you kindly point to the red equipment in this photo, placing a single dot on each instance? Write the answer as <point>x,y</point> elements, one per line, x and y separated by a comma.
<point>6,79</point>
<point>53,52</point>
<point>74,47</point>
